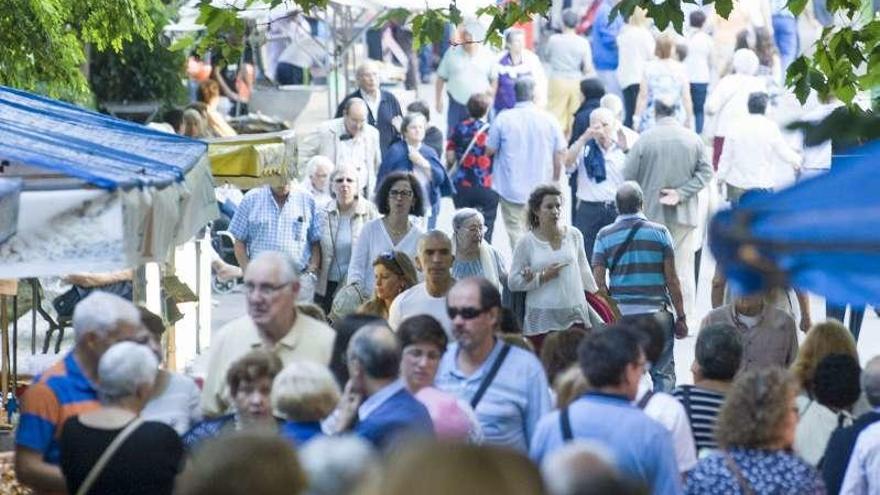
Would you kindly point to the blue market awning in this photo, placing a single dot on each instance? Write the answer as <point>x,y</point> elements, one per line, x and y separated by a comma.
<point>102,151</point>
<point>821,235</point>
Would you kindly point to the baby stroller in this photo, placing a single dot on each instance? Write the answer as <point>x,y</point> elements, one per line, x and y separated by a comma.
<point>224,244</point>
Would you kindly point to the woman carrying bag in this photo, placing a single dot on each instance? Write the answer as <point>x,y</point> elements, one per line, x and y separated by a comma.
<point>112,450</point>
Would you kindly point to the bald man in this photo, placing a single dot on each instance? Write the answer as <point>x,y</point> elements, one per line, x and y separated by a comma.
<point>349,140</point>
<point>434,259</point>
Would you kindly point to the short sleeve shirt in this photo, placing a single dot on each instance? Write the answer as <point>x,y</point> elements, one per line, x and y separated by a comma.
<point>262,226</point>
<point>60,393</point>
<point>466,75</point>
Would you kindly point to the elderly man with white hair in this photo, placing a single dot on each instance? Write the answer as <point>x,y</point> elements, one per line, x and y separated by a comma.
<point>271,287</point>
<point>350,139</point>
<point>383,109</point>
<point>317,180</point>
<point>67,388</point>
<point>598,156</point>
<point>141,457</point>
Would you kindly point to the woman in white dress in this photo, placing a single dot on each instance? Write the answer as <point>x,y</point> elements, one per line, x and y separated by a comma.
<point>550,265</point>
<point>398,197</point>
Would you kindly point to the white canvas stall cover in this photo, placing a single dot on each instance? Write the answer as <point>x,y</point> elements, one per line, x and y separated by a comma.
<point>94,230</point>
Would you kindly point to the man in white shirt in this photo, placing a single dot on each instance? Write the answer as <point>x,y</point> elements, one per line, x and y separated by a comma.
<point>434,260</point>
<point>598,158</point>
<point>464,70</point>
<point>754,145</point>
<point>349,140</point>
<point>817,158</point>
<point>698,62</point>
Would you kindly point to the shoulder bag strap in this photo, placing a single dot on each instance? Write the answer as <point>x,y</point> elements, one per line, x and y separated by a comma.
<point>625,245</point>
<point>107,455</point>
<point>487,380</point>
<point>643,402</point>
<point>467,150</point>
<point>565,425</point>
<point>741,480</point>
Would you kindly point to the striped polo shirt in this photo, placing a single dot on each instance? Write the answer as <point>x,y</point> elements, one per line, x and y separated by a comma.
<point>61,392</point>
<point>637,282</point>
<point>702,406</point>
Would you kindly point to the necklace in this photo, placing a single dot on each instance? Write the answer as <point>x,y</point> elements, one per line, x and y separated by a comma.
<point>394,232</point>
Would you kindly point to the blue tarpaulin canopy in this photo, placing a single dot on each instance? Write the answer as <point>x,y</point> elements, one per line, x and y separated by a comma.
<point>103,151</point>
<point>100,194</point>
<point>821,235</point>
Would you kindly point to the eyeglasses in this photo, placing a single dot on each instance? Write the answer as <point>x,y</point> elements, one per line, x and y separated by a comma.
<point>264,289</point>
<point>467,313</point>
<point>401,193</point>
<point>476,229</point>
<point>340,180</point>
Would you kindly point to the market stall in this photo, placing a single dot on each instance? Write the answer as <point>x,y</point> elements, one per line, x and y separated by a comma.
<point>99,195</point>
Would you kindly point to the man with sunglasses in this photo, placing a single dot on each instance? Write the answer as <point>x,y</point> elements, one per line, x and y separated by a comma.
<point>505,385</point>
<point>271,287</point>
<point>434,259</point>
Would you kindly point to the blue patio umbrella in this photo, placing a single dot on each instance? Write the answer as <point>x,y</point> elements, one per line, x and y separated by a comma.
<point>821,235</point>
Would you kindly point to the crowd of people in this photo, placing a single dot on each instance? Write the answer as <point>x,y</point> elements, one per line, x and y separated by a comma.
<point>380,354</point>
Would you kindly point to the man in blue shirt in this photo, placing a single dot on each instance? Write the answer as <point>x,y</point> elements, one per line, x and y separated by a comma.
<point>389,412</point>
<point>642,275</point>
<point>603,40</point>
<point>510,403</point>
<point>528,149</point>
<point>276,218</point>
<point>613,362</point>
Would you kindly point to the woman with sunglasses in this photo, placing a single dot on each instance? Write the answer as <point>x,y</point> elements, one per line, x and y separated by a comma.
<point>411,154</point>
<point>341,223</point>
<point>474,257</point>
<point>394,273</point>
<point>399,196</point>
<point>550,265</point>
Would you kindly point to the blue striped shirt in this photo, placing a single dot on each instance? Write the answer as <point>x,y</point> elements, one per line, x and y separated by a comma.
<point>512,405</point>
<point>637,282</point>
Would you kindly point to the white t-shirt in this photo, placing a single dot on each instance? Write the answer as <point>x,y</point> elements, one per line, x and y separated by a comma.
<point>698,60</point>
<point>668,411</point>
<point>635,47</point>
<point>177,406</point>
<point>416,301</point>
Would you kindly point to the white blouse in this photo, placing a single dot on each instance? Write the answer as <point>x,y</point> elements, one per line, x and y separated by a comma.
<point>558,303</point>
<point>373,241</point>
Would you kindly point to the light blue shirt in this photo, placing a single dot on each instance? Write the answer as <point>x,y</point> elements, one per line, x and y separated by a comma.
<point>642,448</point>
<point>374,401</point>
<point>262,226</point>
<point>513,403</point>
<point>465,74</point>
<point>525,139</point>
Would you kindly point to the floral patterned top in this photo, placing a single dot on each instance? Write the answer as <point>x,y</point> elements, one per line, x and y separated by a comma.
<point>768,472</point>
<point>476,168</point>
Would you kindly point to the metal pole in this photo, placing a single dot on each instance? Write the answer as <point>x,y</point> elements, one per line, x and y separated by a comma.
<point>35,301</point>
<point>15,343</point>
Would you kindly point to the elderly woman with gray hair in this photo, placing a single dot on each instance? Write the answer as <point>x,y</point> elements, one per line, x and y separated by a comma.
<point>111,449</point>
<point>340,222</point>
<point>474,257</point>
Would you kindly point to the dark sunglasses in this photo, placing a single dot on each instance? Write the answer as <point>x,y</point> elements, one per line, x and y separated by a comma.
<point>467,313</point>
<point>344,179</point>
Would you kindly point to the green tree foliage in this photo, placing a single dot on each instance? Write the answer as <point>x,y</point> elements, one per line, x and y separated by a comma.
<point>142,70</point>
<point>846,61</point>
<point>43,41</point>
